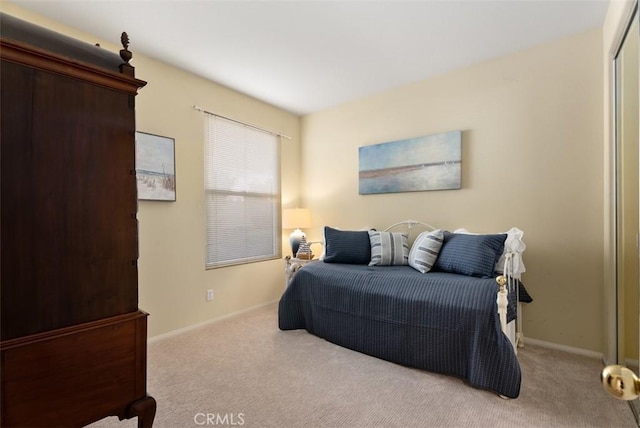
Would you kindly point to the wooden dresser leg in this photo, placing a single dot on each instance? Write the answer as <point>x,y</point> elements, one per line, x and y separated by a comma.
<point>144,409</point>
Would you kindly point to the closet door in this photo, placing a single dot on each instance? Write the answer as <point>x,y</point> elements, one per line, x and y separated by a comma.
<point>621,379</point>
<point>627,197</point>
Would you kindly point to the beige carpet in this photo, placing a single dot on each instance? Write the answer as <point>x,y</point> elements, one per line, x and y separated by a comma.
<point>243,371</point>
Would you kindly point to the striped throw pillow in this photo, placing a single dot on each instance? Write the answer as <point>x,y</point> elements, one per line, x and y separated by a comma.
<point>425,249</point>
<point>388,248</point>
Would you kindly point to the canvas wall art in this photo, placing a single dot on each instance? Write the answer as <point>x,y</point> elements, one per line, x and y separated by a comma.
<point>155,167</point>
<point>430,162</point>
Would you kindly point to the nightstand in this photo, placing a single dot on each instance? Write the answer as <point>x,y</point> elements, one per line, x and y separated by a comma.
<point>292,265</point>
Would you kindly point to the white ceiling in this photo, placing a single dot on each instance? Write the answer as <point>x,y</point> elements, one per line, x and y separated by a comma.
<point>307,55</point>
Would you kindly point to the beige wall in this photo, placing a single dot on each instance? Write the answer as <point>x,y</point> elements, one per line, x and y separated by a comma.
<point>173,280</point>
<point>172,277</point>
<point>532,158</point>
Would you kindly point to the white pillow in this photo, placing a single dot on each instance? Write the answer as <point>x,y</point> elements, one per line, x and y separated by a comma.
<point>388,248</point>
<point>425,249</point>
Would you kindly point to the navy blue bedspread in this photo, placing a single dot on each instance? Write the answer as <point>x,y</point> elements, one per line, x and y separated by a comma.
<point>440,322</point>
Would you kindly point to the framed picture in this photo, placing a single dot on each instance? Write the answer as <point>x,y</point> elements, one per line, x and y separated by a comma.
<point>430,162</point>
<point>155,167</point>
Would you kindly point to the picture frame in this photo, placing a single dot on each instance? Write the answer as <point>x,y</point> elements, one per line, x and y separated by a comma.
<point>429,162</point>
<point>155,167</point>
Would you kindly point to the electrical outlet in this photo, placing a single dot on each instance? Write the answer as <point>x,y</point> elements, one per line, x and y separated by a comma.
<point>209,295</point>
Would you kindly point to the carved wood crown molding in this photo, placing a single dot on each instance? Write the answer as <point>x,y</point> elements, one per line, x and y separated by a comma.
<point>28,55</point>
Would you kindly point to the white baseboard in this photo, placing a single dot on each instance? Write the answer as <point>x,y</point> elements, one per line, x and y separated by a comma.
<point>207,322</point>
<point>631,363</point>
<point>565,348</point>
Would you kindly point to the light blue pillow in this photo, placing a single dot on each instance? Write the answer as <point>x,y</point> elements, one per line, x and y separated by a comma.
<point>388,248</point>
<point>425,249</point>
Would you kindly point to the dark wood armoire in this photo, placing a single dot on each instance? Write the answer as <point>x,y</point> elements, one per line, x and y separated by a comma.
<point>73,341</point>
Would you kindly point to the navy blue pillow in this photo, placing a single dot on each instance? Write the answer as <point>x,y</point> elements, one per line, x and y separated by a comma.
<point>523,294</point>
<point>346,246</point>
<point>473,255</point>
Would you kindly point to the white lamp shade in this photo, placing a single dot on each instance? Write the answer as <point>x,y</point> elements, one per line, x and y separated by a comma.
<point>296,218</point>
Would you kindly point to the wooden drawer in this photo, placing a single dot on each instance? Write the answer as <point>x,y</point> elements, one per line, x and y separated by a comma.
<point>74,376</point>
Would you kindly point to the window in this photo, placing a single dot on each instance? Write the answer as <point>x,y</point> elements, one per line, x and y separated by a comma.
<point>242,193</point>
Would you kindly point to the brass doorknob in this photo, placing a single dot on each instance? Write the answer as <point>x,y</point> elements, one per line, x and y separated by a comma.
<point>620,382</point>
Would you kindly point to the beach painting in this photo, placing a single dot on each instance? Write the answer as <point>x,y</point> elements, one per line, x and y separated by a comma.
<point>155,167</point>
<point>430,162</point>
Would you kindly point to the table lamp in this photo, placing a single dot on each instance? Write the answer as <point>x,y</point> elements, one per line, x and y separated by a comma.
<point>296,218</point>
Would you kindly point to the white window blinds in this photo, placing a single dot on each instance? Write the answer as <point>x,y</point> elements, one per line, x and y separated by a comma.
<point>242,193</point>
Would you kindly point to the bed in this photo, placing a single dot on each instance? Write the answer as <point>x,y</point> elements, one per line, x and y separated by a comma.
<point>369,295</point>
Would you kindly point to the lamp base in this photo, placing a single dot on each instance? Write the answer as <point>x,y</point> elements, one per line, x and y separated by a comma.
<point>294,239</point>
